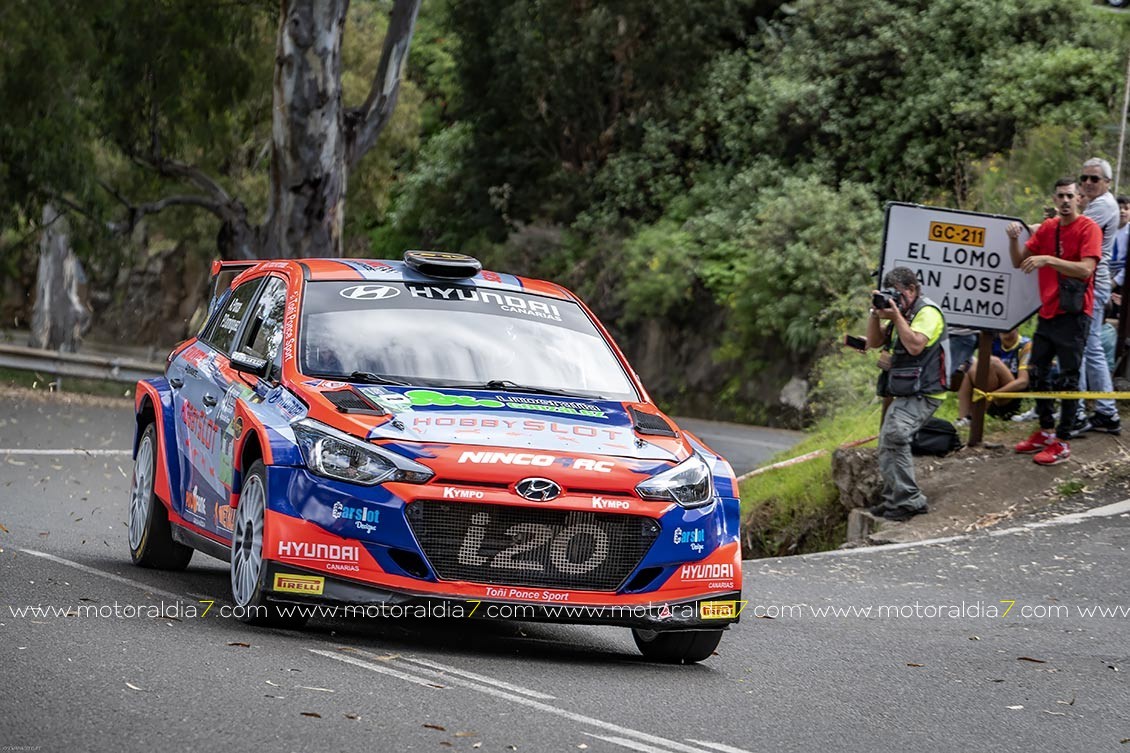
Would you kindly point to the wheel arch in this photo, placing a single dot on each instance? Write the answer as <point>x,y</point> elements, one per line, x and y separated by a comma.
<point>153,404</point>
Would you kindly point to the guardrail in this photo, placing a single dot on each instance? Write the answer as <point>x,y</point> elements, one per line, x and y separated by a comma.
<point>77,365</point>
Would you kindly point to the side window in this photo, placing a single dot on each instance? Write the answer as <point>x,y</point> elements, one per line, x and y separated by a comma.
<point>221,333</point>
<point>265,331</point>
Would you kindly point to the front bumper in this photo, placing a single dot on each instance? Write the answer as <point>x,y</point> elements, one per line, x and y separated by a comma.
<point>293,585</point>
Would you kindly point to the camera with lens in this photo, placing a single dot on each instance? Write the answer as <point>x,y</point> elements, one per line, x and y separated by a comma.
<point>885,299</point>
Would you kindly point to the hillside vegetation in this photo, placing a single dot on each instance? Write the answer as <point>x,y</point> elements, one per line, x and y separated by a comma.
<point>709,174</point>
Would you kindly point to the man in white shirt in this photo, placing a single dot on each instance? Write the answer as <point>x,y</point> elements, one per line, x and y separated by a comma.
<point>1094,184</point>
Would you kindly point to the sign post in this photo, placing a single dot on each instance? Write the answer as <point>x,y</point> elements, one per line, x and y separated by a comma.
<point>963,265</point>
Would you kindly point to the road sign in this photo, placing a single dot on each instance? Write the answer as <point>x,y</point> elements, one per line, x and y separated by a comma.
<point>961,259</point>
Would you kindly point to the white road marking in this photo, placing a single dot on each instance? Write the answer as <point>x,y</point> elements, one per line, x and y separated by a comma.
<point>475,676</point>
<point>103,574</point>
<point>71,451</point>
<point>629,744</point>
<point>375,667</point>
<point>665,745</point>
<point>717,746</point>
<point>1106,511</point>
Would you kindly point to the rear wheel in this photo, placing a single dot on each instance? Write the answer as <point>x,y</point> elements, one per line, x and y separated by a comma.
<point>677,646</point>
<point>247,570</point>
<point>151,541</point>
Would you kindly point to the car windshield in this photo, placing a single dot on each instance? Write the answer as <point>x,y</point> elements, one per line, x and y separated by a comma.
<point>442,334</point>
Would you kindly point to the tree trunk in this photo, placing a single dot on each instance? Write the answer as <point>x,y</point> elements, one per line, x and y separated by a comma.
<point>60,316</point>
<point>308,170</point>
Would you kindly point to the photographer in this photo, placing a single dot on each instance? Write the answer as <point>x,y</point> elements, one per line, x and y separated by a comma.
<point>914,372</point>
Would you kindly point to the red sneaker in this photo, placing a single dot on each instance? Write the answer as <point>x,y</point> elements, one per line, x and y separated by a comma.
<point>1038,441</point>
<point>1054,453</point>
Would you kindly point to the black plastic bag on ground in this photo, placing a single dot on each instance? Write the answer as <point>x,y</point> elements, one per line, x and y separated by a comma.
<point>936,437</point>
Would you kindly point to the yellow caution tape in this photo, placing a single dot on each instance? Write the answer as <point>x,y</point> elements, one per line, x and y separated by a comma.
<point>990,396</point>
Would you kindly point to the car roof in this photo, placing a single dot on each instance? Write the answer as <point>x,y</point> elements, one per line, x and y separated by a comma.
<point>386,270</point>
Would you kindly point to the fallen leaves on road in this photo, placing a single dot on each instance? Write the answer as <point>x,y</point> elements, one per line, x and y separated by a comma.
<point>1055,713</point>
<point>351,716</point>
<point>991,519</point>
<point>272,684</point>
<point>240,644</point>
<point>1029,658</point>
<point>131,686</point>
<point>312,714</point>
<point>912,664</point>
<point>435,727</point>
<point>2,528</point>
<point>1015,708</point>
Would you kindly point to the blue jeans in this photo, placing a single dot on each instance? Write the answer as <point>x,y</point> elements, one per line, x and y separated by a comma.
<point>1095,374</point>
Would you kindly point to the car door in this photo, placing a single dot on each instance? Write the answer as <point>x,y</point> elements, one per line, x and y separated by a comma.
<point>201,403</point>
<point>260,336</point>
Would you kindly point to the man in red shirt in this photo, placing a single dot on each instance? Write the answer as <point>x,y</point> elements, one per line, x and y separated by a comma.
<point>1065,250</point>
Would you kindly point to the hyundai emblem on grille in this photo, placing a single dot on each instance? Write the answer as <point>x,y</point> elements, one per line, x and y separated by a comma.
<point>538,489</point>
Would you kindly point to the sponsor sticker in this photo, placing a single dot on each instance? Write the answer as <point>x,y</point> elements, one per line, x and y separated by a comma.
<point>312,585</point>
<point>543,461</point>
<point>224,516</point>
<point>707,571</point>
<point>718,610</point>
<point>694,537</point>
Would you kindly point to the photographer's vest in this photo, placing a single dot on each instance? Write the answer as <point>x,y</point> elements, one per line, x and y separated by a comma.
<point>932,363</point>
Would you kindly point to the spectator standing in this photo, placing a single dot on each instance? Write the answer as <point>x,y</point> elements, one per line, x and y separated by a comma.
<point>1094,184</point>
<point>1008,372</point>
<point>914,376</point>
<point>1064,252</point>
<point>1121,246</point>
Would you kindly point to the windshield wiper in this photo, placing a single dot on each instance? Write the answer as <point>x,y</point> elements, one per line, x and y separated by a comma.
<point>365,377</point>
<point>506,384</point>
<point>369,377</point>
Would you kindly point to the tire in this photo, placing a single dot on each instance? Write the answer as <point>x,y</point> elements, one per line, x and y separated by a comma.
<point>677,646</point>
<point>150,536</point>
<point>247,572</point>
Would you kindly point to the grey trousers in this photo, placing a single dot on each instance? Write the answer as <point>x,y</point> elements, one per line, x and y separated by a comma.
<point>904,418</point>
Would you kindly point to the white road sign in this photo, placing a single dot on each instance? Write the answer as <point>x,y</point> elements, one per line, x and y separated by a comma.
<point>962,262</point>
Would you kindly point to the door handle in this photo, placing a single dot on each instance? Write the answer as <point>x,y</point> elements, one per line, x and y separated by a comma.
<point>209,401</point>
<point>176,383</point>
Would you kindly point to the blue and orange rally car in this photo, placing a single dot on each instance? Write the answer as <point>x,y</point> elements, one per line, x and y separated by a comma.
<point>427,434</point>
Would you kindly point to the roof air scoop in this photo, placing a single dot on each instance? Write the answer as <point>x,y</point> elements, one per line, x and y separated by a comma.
<point>443,264</point>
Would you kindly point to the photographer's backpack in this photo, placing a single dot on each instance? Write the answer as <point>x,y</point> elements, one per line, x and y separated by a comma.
<point>936,437</point>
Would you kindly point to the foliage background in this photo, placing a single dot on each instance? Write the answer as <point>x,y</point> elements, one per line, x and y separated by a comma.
<point>709,174</point>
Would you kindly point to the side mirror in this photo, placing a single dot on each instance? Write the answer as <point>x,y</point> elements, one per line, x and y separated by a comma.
<point>249,364</point>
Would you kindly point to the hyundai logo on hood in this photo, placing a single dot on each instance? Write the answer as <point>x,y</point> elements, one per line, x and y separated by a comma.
<point>538,489</point>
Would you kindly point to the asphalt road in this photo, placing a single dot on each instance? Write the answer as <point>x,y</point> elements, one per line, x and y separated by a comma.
<point>932,675</point>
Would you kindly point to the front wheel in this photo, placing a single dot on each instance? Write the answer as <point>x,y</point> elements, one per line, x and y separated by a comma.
<point>677,646</point>
<point>151,541</point>
<point>247,571</point>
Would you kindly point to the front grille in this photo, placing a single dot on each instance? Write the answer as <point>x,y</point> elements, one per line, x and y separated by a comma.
<point>524,546</point>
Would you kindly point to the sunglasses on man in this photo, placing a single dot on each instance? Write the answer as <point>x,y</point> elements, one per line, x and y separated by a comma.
<point>1092,178</point>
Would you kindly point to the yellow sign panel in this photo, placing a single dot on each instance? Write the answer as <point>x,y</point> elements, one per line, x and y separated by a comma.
<point>718,610</point>
<point>966,235</point>
<point>311,585</point>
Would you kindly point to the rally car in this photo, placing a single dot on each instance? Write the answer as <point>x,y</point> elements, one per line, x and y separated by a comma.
<point>426,434</point>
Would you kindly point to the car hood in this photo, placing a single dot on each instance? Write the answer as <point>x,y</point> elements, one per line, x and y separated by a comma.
<point>516,420</point>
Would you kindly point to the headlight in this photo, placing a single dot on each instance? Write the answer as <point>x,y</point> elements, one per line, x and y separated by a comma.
<point>334,454</point>
<point>688,484</point>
